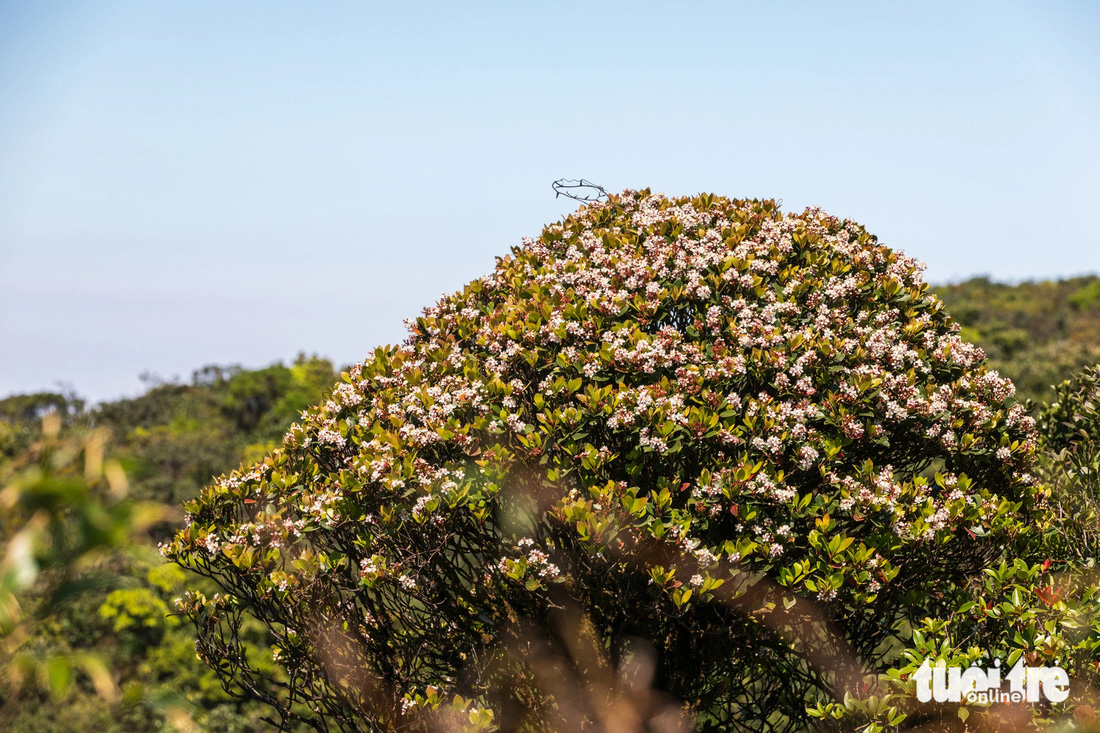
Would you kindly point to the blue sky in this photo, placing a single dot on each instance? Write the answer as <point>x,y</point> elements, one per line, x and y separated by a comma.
<point>194,183</point>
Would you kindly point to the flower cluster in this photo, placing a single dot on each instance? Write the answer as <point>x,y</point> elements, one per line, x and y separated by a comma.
<point>758,393</point>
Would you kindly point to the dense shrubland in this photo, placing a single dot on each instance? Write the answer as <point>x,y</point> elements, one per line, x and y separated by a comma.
<point>84,595</point>
<point>675,461</point>
<point>1037,333</point>
<point>749,447</point>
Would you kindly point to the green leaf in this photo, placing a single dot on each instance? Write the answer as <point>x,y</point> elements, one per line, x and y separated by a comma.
<point>60,675</point>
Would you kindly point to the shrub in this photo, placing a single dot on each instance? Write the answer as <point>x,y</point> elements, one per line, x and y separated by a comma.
<point>1041,603</point>
<point>1036,332</point>
<point>1086,296</point>
<point>1070,467</point>
<point>1074,413</point>
<point>138,609</point>
<point>60,514</point>
<point>694,444</point>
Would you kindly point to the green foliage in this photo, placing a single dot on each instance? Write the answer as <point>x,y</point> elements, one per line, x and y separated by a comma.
<point>1022,610</point>
<point>176,436</point>
<point>137,608</point>
<point>33,408</point>
<point>1071,421</point>
<point>62,509</point>
<point>1037,333</point>
<point>21,419</point>
<point>1087,296</point>
<point>1041,603</point>
<point>750,443</point>
<point>86,599</point>
<point>1070,428</point>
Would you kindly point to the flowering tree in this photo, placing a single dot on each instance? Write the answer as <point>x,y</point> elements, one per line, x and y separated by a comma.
<point>686,449</point>
<point>1039,606</point>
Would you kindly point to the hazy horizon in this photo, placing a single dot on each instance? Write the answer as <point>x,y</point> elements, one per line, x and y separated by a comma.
<point>183,185</point>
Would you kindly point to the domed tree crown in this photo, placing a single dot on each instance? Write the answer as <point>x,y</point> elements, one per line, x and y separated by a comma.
<point>749,447</point>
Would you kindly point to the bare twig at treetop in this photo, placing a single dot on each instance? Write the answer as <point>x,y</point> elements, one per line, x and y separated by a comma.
<point>563,186</point>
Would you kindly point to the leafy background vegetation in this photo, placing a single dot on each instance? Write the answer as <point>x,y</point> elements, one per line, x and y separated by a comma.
<point>165,445</point>
<point>86,641</point>
<point>1037,333</point>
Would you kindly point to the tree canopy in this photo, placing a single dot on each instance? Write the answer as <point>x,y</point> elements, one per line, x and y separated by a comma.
<point>748,446</point>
